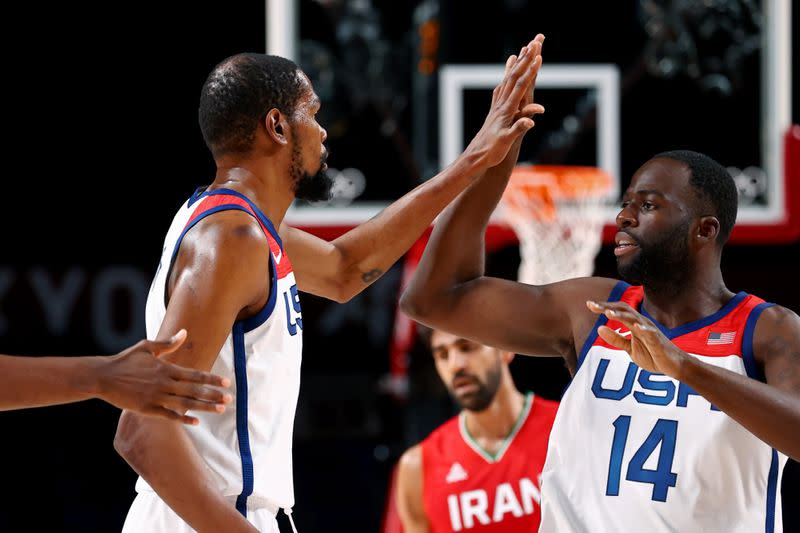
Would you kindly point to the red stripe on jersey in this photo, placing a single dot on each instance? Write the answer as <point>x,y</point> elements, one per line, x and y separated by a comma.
<point>283,265</point>
<point>700,341</point>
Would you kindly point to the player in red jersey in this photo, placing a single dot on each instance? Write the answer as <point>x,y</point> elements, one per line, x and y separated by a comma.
<point>480,470</point>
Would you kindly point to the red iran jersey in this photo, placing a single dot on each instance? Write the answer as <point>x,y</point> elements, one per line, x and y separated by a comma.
<point>465,488</point>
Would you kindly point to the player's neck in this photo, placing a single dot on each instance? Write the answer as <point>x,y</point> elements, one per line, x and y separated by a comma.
<point>494,424</point>
<point>698,297</point>
<point>271,194</point>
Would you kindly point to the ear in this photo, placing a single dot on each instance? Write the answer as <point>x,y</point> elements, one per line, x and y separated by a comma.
<point>507,357</point>
<point>707,229</point>
<point>277,127</point>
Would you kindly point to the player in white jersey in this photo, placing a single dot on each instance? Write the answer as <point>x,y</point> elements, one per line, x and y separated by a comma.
<point>681,413</point>
<point>226,276</point>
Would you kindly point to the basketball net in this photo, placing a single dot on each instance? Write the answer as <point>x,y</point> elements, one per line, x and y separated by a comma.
<point>557,214</point>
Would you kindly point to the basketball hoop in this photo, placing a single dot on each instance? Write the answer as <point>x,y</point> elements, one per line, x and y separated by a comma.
<point>557,214</point>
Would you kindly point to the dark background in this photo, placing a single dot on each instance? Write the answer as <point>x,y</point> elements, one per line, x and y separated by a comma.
<point>101,146</point>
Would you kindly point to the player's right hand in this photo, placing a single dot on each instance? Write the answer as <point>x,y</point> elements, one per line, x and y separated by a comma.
<point>512,109</point>
<point>137,380</point>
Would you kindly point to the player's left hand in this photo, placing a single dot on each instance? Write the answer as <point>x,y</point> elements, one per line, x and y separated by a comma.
<point>646,345</point>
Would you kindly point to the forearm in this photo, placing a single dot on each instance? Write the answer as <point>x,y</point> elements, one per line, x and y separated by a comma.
<point>40,381</point>
<point>767,412</point>
<point>368,250</point>
<point>162,453</point>
<point>455,251</point>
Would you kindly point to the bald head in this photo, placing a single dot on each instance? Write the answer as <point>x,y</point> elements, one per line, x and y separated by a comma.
<point>238,94</point>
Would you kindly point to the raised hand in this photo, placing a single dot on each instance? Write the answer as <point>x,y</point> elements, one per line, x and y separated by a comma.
<point>646,345</point>
<point>512,109</point>
<point>137,380</point>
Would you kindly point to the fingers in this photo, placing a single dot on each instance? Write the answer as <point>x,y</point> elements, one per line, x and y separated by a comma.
<point>529,111</point>
<point>614,339</point>
<point>186,402</point>
<point>190,375</point>
<point>642,327</point>
<point>194,391</point>
<point>515,76</point>
<point>521,126</point>
<point>159,348</point>
<point>162,412</point>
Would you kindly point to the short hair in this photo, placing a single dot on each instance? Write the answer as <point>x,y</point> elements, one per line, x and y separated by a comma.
<point>239,93</point>
<point>716,187</point>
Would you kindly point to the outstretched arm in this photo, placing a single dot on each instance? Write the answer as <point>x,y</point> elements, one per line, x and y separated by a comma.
<point>450,292</point>
<point>770,411</point>
<point>342,268</point>
<point>409,492</point>
<point>135,379</point>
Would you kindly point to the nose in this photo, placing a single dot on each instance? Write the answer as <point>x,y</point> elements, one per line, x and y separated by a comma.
<point>323,133</point>
<point>626,217</point>
<point>456,360</point>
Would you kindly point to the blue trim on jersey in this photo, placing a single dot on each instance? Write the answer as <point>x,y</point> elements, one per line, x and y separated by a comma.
<point>217,209</point>
<point>747,342</point>
<point>259,318</point>
<point>694,325</point>
<point>772,489</point>
<point>616,293</point>
<point>196,195</point>
<point>261,216</point>
<point>243,435</point>
<point>256,320</point>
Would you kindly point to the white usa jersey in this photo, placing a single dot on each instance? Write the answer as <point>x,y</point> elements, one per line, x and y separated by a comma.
<point>637,451</point>
<point>248,448</point>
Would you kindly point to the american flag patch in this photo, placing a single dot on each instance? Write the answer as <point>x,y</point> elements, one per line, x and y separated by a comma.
<point>721,338</point>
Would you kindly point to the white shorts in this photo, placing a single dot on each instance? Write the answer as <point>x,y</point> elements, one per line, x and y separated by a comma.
<point>149,514</point>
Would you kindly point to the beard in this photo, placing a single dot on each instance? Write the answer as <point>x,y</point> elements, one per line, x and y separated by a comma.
<point>480,399</point>
<point>310,187</point>
<point>661,264</point>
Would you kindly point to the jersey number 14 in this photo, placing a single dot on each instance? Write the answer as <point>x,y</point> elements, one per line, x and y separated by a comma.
<point>662,478</point>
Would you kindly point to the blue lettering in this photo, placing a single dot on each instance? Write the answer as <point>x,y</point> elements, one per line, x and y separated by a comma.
<point>611,394</point>
<point>298,320</point>
<point>648,384</point>
<point>655,391</point>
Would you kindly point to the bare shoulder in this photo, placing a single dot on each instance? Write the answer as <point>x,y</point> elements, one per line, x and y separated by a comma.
<point>411,460</point>
<point>228,228</point>
<point>228,248</point>
<point>776,346</point>
<point>777,326</point>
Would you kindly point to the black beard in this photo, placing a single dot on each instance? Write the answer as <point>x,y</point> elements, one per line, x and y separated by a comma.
<point>482,398</point>
<point>310,187</point>
<point>662,265</point>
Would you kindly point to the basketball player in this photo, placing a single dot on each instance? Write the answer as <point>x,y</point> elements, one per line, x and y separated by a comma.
<point>480,470</point>
<point>685,398</point>
<point>226,275</point>
<point>134,379</point>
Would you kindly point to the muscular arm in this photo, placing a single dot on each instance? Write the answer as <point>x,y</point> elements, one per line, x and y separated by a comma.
<point>409,492</point>
<point>770,411</point>
<point>450,292</point>
<point>221,275</point>
<point>133,379</point>
<point>344,267</point>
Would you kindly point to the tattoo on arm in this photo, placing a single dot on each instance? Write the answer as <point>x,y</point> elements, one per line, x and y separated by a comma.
<point>371,275</point>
